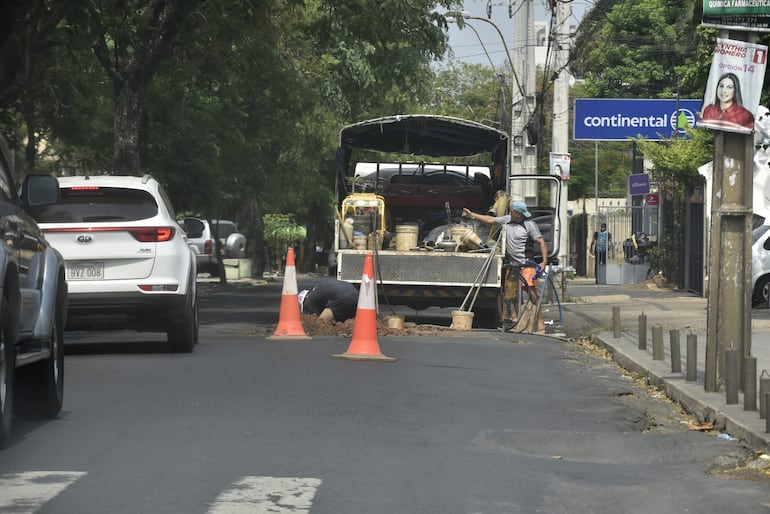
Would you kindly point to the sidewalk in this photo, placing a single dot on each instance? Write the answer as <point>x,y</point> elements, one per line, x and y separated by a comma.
<point>671,310</point>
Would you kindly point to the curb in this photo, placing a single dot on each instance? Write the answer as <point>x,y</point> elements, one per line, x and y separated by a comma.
<point>732,419</point>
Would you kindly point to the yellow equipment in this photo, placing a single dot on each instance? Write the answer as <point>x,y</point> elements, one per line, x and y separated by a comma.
<point>367,210</point>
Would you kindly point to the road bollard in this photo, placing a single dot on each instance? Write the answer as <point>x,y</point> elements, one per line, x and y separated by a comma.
<point>642,332</point>
<point>657,344</point>
<point>692,357</point>
<point>676,356</point>
<point>616,322</point>
<point>732,371</point>
<point>764,389</point>
<point>767,418</point>
<point>749,383</point>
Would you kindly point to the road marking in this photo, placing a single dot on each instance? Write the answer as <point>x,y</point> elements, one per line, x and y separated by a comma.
<point>22,493</point>
<point>267,495</point>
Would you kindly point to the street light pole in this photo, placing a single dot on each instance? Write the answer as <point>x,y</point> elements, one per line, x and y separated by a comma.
<point>524,153</point>
<point>560,134</point>
<point>478,36</point>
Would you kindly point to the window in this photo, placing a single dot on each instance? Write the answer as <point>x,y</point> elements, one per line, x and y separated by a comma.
<point>98,204</point>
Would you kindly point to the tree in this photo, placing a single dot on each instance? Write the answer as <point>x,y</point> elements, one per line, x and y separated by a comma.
<point>30,32</point>
<point>131,41</point>
<point>471,91</point>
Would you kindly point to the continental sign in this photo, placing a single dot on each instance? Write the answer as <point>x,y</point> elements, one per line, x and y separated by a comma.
<point>614,119</point>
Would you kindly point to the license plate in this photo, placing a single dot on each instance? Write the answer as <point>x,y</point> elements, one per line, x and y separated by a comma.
<point>85,271</point>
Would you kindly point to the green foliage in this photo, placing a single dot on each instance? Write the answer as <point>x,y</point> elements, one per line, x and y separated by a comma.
<point>471,91</point>
<point>282,231</point>
<point>678,159</point>
<point>642,49</point>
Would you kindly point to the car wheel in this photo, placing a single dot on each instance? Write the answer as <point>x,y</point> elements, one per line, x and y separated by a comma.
<point>761,294</point>
<point>40,386</point>
<point>183,335</point>
<point>7,365</point>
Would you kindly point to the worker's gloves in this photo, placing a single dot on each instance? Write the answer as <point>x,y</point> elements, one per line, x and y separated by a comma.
<point>538,271</point>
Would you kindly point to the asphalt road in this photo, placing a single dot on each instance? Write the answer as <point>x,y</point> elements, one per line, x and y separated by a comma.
<point>477,423</point>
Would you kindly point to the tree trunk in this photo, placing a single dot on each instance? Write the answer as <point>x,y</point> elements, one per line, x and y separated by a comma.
<point>30,152</point>
<point>128,110</point>
<point>254,230</point>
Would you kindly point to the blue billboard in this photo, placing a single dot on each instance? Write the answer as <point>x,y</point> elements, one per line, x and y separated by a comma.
<point>611,119</point>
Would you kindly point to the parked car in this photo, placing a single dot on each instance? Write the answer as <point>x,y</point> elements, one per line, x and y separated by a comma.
<point>127,259</point>
<point>760,258</point>
<point>201,236</point>
<point>33,302</point>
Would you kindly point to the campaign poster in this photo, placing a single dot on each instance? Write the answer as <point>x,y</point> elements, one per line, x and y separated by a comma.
<point>560,165</point>
<point>734,86</point>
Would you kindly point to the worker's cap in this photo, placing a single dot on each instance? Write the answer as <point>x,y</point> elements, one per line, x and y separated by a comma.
<point>520,207</point>
<point>301,297</point>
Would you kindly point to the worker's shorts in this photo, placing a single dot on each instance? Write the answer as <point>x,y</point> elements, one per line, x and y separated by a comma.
<point>511,280</point>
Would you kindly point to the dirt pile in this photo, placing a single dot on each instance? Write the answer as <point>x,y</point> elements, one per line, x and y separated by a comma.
<point>314,327</point>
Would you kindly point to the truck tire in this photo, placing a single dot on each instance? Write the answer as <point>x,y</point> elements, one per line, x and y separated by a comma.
<point>183,335</point>
<point>7,365</point>
<point>486,318</point>
<point>40,386</point>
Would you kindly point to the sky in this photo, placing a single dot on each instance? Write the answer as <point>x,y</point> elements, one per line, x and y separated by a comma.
<point>466,45</point>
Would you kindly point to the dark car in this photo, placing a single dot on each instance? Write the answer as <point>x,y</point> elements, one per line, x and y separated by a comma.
<point>33,303</point>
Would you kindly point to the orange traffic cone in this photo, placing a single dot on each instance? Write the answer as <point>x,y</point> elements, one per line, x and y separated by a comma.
<point>364,346</point>
<point>289,324</point>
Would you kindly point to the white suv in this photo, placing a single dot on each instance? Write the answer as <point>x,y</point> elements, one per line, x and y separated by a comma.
<point>128,263</point>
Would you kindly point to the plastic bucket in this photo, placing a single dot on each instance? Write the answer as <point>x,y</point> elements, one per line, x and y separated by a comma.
<point>470,239</point>
<point>406,237</point>
<point>395,321</point>
<point>462,320</point>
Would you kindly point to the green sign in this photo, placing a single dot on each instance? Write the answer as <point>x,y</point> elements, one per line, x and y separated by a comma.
<point>751,15</point>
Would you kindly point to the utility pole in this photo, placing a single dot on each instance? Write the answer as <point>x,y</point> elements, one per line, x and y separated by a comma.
<point>560,136</point>
<point>729,289</point>
<point>523,151</point>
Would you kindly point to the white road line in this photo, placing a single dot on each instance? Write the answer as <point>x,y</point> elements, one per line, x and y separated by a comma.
<point>22,493</point>
<point>267,495</point>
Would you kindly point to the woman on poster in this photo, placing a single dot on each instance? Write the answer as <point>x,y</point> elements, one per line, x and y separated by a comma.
<point>728,104</point>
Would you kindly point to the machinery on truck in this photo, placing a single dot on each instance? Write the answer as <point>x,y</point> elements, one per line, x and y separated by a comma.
<point>402,182</point>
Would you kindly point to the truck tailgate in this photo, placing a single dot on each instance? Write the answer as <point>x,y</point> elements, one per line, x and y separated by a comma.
<point>431,269</point>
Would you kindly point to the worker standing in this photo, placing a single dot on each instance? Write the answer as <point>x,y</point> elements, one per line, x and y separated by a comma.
<point>519,230</point>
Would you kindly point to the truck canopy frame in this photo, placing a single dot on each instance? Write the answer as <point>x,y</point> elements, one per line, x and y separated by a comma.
<point>422,134</point>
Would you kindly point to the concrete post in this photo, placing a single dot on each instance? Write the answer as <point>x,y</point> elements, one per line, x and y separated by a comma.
<point>729,297</point>
<point>692,357</point>
<point>767,418</point>
<point>676,357</point>
<point>732,372</point>
<point>764,389</point>
<point>657,344</point>
<point>749,383</point>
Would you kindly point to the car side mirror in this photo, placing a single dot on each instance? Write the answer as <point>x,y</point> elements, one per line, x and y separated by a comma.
<point>39,190</point>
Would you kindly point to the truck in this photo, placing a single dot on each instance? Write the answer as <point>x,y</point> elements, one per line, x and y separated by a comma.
<point>33,302</point>
<point>402,182</point>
